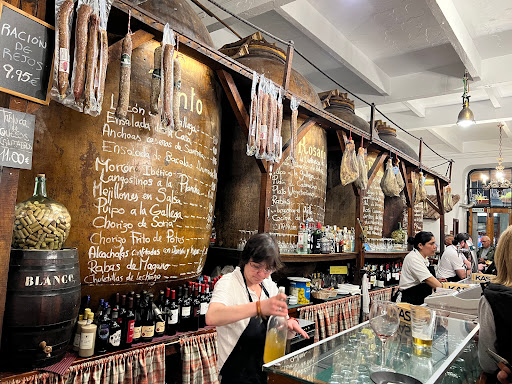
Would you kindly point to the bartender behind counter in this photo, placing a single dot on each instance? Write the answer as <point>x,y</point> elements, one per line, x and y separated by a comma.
<point>454,266</point>
<point>241,302</point>
<point>417,278</point>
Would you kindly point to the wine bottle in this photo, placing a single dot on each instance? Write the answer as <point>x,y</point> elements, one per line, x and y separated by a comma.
<point>114,339</point>
<point>103,330</point>
<point>204,306</point>
<point>159,317</point>
<point>137,330</point>
<point>122,310</point>
<point>148,321</point>
<point>128,326</point>
<point>173,315</point>
<point>196,309</point>
<point>186,307</point>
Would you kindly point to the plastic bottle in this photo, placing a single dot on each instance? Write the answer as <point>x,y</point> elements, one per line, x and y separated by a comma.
<point>277,332</point>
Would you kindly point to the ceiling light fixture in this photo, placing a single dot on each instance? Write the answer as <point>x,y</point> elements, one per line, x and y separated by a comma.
<point>466,117</point>
<point>500,183</point>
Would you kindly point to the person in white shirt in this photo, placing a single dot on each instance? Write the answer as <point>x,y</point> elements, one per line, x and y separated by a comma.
<point>241,302</point>
<point>417,278</point>
<point>453,265</point>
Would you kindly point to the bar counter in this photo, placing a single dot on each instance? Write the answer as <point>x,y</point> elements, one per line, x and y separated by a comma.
<point>347,356</point>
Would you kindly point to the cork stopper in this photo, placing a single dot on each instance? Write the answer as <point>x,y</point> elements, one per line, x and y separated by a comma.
<point>254,44</point>
<point>383,128</point>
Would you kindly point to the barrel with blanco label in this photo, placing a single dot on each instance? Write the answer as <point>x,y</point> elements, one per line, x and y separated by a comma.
<point>42,303</point>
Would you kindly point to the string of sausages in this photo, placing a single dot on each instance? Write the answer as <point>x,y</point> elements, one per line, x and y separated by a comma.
<point>264,140</point>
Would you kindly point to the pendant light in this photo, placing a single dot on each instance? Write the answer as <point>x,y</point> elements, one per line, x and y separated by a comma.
<point>466,117</point>
<point>500,183</point>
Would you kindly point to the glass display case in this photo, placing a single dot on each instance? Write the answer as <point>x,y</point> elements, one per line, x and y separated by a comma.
<point>347,356</point>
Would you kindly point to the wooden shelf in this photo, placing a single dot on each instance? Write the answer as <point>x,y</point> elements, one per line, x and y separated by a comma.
<point>234,254</point>
<point>313,257</point>
<point>385,255</point>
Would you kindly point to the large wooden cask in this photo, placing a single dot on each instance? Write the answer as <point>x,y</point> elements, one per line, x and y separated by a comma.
<point>298,192</point>
<point>42,302</point>
<point>141,197</point>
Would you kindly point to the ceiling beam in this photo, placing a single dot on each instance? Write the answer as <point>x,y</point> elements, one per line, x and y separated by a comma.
<point>491,92</point>
<point>448,137</point>
<point>451,22</point>
<point>415,107</point>
<point>307,19</point>
<point>507,130</point>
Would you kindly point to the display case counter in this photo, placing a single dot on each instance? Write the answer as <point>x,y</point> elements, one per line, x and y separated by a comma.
<point>348,356</point>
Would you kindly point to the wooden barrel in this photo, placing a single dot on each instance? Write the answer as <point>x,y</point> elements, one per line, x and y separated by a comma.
<point>297,192</point>
<point>42,303</point>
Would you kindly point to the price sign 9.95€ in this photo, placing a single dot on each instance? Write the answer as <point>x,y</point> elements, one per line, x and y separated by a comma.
<point>26,51</point>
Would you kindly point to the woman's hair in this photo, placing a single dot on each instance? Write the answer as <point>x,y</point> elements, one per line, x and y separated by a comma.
<point>261,248</point>
<point>460,237</point>
<point>503,258</point>
<point>422,238</point>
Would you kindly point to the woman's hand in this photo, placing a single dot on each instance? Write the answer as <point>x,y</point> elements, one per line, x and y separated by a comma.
<point>274,306</point>
<point>504,376</point>
<point>293,325</point>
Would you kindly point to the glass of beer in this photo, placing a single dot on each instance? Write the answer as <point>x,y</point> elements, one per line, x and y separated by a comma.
<point>423,322</point>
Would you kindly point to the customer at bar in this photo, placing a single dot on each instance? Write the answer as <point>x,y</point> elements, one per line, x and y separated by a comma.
<point>495,310</point>
<point>448,240</point>
<point>240,304</point>
<point>454,266</point>
<point>486,251</point>
<point>417,278</point>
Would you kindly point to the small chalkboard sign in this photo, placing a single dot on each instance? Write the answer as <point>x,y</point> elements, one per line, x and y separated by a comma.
<point>16,138</point>
<point>26,48</point>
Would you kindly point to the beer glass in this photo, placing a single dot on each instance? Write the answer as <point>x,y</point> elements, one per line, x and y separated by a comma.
<point>384,320</point>
<point>423,321</point>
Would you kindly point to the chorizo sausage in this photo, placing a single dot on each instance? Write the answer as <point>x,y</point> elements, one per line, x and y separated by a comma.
<point>102,66</point>
<point>65,11</point>
<point>92,60</point>
<point>155,80</point>
<point>82,22</point>
<point>124,77</point>
<point>168,84</point>
<point>263,126</point>
<point>176,95</point>
<point>279,125</point>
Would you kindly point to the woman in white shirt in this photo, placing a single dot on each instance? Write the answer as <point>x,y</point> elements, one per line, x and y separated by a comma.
<point>417,278</point>
<point>240,304</point>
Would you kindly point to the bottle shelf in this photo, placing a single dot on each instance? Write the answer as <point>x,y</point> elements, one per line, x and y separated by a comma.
<point>234,254</point>
<point>385,255</point>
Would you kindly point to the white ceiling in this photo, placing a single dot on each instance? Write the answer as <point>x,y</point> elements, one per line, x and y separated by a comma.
<point>407,56</point>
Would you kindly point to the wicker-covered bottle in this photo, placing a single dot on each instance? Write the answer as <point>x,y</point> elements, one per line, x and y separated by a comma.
<point>40,222</point>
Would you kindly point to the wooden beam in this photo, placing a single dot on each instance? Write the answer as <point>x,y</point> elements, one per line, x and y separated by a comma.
<point>288,66</point>
<point>138,38</point>
<point>376,166</point>
<point>439,195</point>
<point>265,198</point>
<point>433,205</point>
<point>301,132</point>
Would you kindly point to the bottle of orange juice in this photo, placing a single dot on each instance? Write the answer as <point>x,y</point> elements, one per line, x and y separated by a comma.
<point>277,332</point>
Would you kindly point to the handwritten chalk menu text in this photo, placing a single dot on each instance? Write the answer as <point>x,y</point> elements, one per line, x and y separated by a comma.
<point>373,207</point>
<point>141,197</point>
<point>298,191</point>
<point>26,46</point>
<point>16,139</point>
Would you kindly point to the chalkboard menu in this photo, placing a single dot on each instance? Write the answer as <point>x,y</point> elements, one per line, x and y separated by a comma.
<point>298,191</point>
<point>16,139</point>
<point>141,198</point>
<point>373,207</point>
<point>418,217</point>
<point>27,46</point>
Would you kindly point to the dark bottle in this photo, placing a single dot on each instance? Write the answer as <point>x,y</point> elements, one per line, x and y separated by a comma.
<point>317,235</point>
<point>159,314</point>
<point>173,315</point>
<point>114,339</point>
<point>204,306</point>
<point>196,309</point>
<point>137,330</point>
<point>99,312</point>
<point>148,321</point>
<point>166,302</point>
<point>128,326</point>
<point>117,301</point>
<point>103,330</point>
<point>186,312</point>
<point>122,310</point>
<point>86,302</point>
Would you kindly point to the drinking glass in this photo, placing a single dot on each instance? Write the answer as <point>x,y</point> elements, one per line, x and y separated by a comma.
<point>384,320</point>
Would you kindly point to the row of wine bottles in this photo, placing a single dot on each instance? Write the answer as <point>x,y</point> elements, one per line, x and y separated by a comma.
<point>135,318</point>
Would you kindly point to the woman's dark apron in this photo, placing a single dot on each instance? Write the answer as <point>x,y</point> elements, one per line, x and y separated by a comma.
<point>416,295</point>
<point>244,364</point>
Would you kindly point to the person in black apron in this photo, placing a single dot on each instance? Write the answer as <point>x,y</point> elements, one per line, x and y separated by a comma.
<point>417,277</point>
<point>247,293</point>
